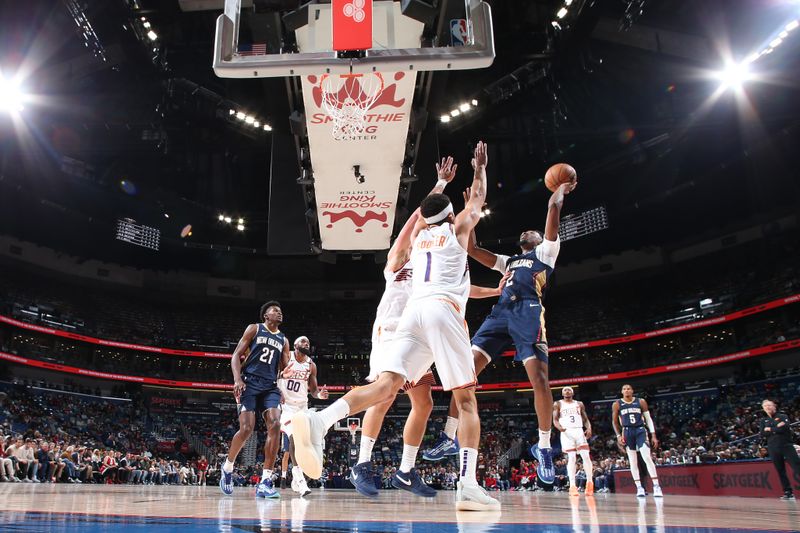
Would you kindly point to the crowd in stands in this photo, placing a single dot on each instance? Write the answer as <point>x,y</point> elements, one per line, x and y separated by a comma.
<point>50,436</point>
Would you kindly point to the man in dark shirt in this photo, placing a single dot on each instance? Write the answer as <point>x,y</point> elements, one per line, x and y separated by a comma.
<point>775,427</point>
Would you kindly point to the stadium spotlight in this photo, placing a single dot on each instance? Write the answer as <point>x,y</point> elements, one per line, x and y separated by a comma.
<point>228,220</point>
<point>267,127</point>
<point>734,75</point>
<point>240,227</point>
<point>221,218</point>
<point>152,35</point>
<point>231,111</point>
<point>562,13</point>
<point>241,221</point>
<point>455,113</point>
<point>474,103</point>
<point>240,115</point>
<point>11,97</point>
<point>445,118</point>
<point>792,25</point>
<point>464,107</point>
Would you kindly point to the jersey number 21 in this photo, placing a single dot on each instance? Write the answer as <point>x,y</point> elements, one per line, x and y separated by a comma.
<point>266,355</point>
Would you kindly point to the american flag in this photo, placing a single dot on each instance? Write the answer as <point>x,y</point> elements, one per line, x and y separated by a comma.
<point>256,49</point>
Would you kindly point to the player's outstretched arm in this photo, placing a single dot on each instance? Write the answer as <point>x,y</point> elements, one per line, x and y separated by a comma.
<point>313,387</point>
<point>554,209</point>
<point>556,416</point>
<point>399,252</point>
<point>239,353</point>
<point>477,292</point>
<point>587,424</point>
<point>469,217</point>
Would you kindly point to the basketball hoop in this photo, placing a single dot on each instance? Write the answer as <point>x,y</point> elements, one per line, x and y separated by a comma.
<point>347,99</point>
<point>352,428</point>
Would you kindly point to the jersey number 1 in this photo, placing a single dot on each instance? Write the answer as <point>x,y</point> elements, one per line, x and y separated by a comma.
<point>265,353</point>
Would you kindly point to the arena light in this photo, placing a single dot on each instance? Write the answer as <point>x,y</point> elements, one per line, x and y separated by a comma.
<point>455,113</point>
<point>240,227</point>
<point>231,111</point>
<point>556,25</point>
<point>221,217</point>
<point>228,220</point>
<point>734,75</point>
<point>445,118</point>
<point>267,127</point>
<point>152,35</point>
<point>474,103</point>
<point>562,13</point>
<point>11,95</point>
<point>240,115</point>
<point>567,3</point>
<point>792,25</point>
<point>256,124</point>
<point>249,119</point>
<point>241,221</point>
<point>464,107</point>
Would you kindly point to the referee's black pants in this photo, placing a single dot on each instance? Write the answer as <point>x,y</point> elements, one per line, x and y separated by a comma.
<point>781,455</point>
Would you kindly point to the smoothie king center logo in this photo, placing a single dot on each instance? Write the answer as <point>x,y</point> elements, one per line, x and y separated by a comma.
<point>347,203</point>
<point>352,89</point>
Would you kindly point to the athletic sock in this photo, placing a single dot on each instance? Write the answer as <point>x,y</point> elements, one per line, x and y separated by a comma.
<point>335,412</point>
<point>655,482</point>
<point>297,473</point>
<point>283,473</point>
<point>266,475</point>
<point>469,464</point>
<point>228,466</point>
<point>450,427</point>
<point>638,483</point>
<point>544,439</point>
<point>365,450</point>
<point>409,458</point>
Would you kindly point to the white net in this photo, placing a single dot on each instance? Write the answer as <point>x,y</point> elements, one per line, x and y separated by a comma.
<point>347,99</point>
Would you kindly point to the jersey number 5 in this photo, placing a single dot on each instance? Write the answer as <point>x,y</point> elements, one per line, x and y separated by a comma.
<point>633,419</point>
<point>266,355</point>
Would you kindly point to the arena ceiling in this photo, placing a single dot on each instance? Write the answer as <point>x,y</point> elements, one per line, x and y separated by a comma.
<point>623,91</point>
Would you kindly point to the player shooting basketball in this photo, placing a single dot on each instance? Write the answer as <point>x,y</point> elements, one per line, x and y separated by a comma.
<point>518,318</point>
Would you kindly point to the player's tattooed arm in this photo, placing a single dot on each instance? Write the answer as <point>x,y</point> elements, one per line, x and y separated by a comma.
<point>587,424</point>
<point>313,388</point>
<point>469,217</point>
<point>556,416</point>
<point>554,209</point>
<point>238,354</point>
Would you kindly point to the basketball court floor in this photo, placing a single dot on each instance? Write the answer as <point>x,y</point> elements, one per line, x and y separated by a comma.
<point>135,508</point>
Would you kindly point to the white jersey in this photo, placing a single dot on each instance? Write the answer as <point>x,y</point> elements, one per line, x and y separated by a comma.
<point>295,387</point>
<point>440,266</point>
<point>570,414</point>
<point>394,299</point>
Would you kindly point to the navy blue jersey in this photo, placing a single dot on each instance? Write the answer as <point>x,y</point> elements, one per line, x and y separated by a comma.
<point>265,354</point>
<point>631,413</point>
<point>530,272</point>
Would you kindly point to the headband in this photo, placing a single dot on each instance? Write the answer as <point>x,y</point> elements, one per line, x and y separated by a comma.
<point>298,339</point>
<point>441,215</point>
<point>567,388</point>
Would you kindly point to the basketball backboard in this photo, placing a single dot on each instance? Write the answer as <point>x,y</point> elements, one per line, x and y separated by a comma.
<point>358,106</point>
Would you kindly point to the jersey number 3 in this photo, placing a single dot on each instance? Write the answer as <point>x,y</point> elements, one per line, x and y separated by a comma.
<point>266,355</point>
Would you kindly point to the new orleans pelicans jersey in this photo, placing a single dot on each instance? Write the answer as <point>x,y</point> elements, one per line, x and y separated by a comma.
<point>529,272</point>
<point>265,354</point>
<point>570,415</point>
<point>440,266</point>
<point>394,299</point>
<point>631,413</point>
<point>295,386</point>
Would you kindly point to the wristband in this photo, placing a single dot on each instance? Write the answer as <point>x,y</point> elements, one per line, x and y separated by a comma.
<point>441,183</point>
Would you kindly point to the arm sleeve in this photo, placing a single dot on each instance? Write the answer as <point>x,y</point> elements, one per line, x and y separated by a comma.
<point>547,252</point>
<point>501,263</point>
<point>649,419</point>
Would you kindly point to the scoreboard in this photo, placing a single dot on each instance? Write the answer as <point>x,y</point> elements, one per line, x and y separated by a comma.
<point>140,235</point>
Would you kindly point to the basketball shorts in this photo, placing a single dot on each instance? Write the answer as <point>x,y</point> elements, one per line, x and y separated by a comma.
<point>259,395</point>
<point>520,324</point>
<point>287,412</point>
<point>431,331</point>
<point>381,342</point>
<point>573,439</point>
<point>635,437</point>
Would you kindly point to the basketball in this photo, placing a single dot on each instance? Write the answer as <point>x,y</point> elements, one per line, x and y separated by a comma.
<point>558,174</point>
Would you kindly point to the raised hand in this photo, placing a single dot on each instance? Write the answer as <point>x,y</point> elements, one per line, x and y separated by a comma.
<point>481,157</point>
<point>446,170</point>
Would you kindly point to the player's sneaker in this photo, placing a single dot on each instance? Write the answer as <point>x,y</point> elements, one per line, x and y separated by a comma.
<point>411,482</point>
<point>589,488</point>
<point>573,490</point>
<point>545,470</point>
<point>309,432</point>
<point>444,447</point>
<point>788,496</point>
<point>301,487</point>
<point>283,482</point>
<point>363,479</point>
<point>640,493</point>
<point>226,483</point>
<point>266,490</point>
<point>657,491</point>
<point>474,498</point>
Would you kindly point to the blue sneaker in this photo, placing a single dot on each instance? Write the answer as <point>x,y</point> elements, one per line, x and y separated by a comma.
<point>226,483</point>
<point>545,470</point>
<point>413,483</point>
<point>363,479</point>
<point>444,447</point>
<point>266,490</point>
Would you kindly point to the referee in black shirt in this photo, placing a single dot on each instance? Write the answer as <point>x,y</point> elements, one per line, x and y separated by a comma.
<point>775,427</point>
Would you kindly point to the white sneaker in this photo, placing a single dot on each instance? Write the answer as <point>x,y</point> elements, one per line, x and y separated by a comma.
<point>657,491</point>
<point>474,498</point>
<point>640,493</point>
<point>309,432</point>
<point>302,488</point>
